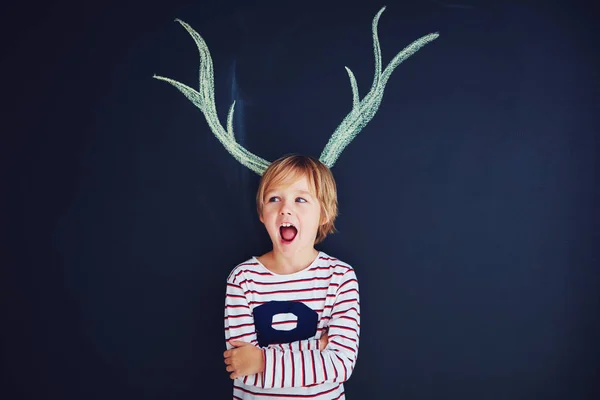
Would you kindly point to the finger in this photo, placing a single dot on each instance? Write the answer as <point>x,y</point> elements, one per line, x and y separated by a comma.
<point>238,343</point>
<point>229,368</point>
<point>227,361</point>
<point>233,376</point>
<point>230,353</point>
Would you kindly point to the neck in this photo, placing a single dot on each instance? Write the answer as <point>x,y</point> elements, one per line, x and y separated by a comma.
<point>284,264</point>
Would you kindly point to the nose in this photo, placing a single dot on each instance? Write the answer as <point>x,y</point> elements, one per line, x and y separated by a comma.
<point>285,209</point>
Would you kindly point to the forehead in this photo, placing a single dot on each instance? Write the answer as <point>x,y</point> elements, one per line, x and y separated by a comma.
<point>296,180</point>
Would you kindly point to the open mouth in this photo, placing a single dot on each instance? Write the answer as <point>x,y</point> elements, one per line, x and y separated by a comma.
<point>288,232</point>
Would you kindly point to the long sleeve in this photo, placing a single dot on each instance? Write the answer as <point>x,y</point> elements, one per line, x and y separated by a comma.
<point>309,366</point>
<point>239,324</point>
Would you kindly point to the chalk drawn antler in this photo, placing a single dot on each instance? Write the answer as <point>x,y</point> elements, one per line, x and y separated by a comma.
<point>362,110</point>
<point>204,99</point>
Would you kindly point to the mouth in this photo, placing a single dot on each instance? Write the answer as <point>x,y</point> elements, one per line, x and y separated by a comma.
<point>287,232</point>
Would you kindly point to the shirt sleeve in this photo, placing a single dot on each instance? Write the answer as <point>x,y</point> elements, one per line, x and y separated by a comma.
<point>285,367</point>
<point>239,325</point>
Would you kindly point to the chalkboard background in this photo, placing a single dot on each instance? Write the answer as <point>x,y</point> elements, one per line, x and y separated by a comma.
<point>468,206</point>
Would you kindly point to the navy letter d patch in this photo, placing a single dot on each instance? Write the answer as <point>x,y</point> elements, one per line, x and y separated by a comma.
<point>264,316</point>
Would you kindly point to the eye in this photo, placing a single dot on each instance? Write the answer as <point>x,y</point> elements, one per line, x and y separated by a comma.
<point>301,200</point>
<point>273,199</point>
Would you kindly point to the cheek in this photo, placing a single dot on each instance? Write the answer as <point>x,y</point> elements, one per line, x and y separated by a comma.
<point>269,217</point>
<point>266,215</point>
<point>314,216</point>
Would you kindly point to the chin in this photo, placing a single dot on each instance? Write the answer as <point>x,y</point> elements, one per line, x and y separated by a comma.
<point>283,245</point>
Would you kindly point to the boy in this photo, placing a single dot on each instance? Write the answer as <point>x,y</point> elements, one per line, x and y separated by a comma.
<point>292,315</point>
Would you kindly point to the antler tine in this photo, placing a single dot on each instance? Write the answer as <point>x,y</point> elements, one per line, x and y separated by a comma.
<point>204,99</point>
<point>363,110</point>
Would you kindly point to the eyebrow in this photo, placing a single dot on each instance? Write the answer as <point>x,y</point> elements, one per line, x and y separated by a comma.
<point>302,192</point>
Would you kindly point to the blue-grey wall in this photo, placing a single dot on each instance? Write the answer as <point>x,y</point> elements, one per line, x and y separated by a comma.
<point>468,206</point>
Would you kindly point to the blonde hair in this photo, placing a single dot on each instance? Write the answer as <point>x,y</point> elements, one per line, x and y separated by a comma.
<point>320,179</point>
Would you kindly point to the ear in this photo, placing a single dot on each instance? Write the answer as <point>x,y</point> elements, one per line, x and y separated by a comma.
<point>261,218</point>
<point>324,218</point>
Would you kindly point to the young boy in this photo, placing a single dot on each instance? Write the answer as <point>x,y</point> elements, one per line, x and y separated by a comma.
<point>292,315</point>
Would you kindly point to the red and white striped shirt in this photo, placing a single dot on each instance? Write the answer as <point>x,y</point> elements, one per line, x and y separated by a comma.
<point>298,369</point>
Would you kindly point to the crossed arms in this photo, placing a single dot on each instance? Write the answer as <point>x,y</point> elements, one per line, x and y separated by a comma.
<point>329,359</point>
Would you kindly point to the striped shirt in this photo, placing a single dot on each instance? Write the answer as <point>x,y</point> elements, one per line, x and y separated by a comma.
<point>321,298</point>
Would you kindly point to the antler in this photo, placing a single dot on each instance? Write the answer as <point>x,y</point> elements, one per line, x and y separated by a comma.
<point>364,110</point>
<point>204,99</point>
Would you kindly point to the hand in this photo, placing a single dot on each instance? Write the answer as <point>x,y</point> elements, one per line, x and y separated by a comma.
<point>244,359</point>
<point>323,341</point>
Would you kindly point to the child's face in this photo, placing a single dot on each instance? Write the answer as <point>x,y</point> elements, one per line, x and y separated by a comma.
<point>293,202</point>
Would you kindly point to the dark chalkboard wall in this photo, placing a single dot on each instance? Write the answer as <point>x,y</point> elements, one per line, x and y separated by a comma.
<point>468,206</point>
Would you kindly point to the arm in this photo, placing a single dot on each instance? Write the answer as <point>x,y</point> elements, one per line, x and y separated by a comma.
<point>308,366</point>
